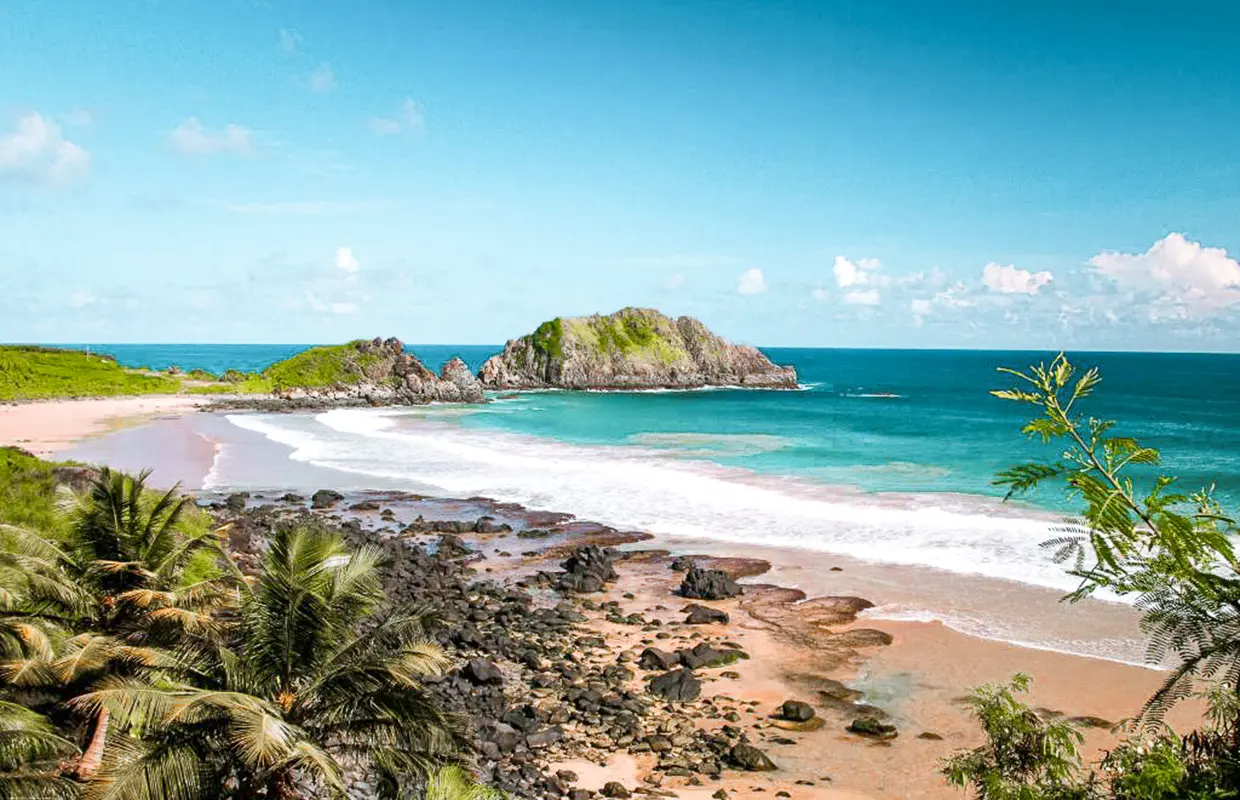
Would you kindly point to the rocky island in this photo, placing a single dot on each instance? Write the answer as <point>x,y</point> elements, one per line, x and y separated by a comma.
<point>634,348</point>
<point>376,372</point>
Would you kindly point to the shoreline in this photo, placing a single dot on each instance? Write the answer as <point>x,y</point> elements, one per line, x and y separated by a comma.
<point>815,649</point>
<point>919,677</point>
<point>191,450</point>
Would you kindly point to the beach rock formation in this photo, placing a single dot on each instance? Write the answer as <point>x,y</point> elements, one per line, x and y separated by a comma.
<point>375,372</point>
<point>708,584</point>
<point>634,348</point>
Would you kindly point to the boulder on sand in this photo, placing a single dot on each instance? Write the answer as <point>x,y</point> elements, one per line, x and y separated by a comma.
<point>679,686</point>
<point>708,584</point>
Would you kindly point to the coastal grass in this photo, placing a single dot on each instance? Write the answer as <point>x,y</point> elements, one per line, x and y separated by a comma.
<point>323,367</point>
<point>36,373</point>
<point>28,492</point>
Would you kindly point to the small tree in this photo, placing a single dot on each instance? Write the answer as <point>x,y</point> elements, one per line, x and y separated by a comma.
<point>1138,535</point>
<point>1025,757</point>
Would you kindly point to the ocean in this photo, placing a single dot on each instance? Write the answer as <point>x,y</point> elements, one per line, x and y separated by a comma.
<point>883,455</point>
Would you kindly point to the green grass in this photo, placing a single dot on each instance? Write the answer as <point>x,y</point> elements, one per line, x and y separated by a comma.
<point>635,333</point>
<point>324,367</point>
<point>33,373</point>
<point>251,384</point>
<point>28,492</point>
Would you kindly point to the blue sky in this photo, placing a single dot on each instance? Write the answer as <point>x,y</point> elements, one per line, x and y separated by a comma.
<point>850,173</point>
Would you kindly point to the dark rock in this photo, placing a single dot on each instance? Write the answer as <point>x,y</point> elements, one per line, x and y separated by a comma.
<point>451,546</point>
<point>704,615</point>
<point>545,737</point>
<point>653,658</point>
<point>749,758</point>
<point>871,728</point>
<point>796,711</point>
<point>677,686</point>
<point>489,525</point>
<point>325,498</point>
<point>587,570</point>
<point>291,497</point>
<point>708,584</point>
<point>236,502</point>
<point>365,505</point>
<point>930,736</point>
<point>681,564</point>
<point>481,671</point>
<point>615,789</point>
<point>704,655</point>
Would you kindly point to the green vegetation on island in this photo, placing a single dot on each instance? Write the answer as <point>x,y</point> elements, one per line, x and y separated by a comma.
<point>634,348</point>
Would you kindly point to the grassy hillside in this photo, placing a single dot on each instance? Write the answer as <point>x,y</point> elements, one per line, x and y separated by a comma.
<point>32,373</point>
<point>37,373</point>
<point>635,333</point>
<point>323,367</point>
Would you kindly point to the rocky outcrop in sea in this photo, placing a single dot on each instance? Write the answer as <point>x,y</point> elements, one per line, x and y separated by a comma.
<point>377,372</point>
<point>635,348</point>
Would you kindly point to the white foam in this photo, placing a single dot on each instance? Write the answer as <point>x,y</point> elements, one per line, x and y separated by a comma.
<point>1122,651</point>
<point>645,489</point>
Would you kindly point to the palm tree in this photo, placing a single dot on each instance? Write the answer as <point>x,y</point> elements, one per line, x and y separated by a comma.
<point>453,783</point>
<point>30,751</point>
<point>312,681</point>
<point>110,600</point>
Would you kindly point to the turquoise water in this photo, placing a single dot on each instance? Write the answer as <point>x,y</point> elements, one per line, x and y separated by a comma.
<point>878,420</point>
<point>883,456</point>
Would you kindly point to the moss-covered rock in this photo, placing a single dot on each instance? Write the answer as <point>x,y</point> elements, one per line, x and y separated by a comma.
<point>634,348</point>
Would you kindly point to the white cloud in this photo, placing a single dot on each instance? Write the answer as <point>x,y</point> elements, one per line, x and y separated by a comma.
<point>1011,280</point>
<point>862,297</point>
<point>856,273</point>
<point>920,307</point>
<point>676,281</point>
<point>751,281</point>
<point>954,296</point>
<point>191,139</point>
<point>819,293</point>
<point>409,119</point>
<point>81,299</point>
<point>1187,274</point>
<point>37,152</point>
<point>345,259</point>
<point>323,79</point>
<point>290,40</point>
<point>344,308</point>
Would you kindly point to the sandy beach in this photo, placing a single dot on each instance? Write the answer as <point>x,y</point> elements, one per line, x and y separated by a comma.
<point>46,428</point>
<point>799,647</point>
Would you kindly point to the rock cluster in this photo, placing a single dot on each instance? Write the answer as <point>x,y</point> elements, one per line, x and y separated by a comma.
<point>708,584</point>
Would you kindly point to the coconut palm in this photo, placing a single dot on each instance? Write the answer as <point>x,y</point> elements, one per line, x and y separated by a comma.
<point>110,600</point>
<point>453,783</point>
<point>30,751</point>
<point>313,681</point>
